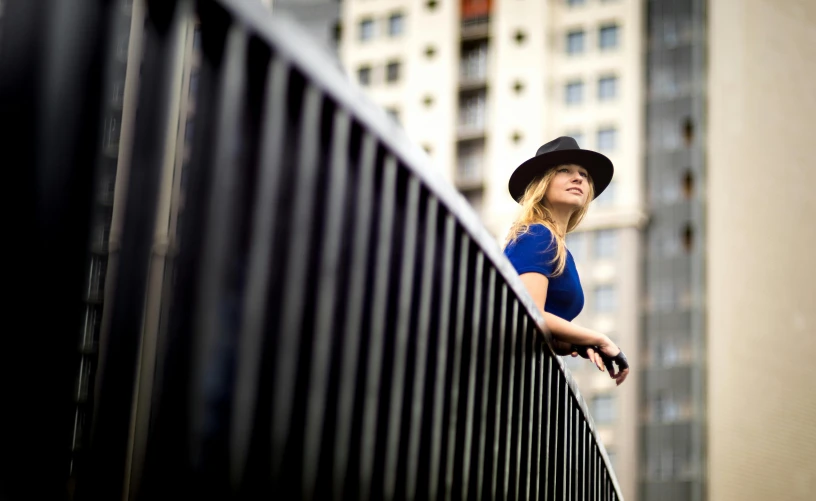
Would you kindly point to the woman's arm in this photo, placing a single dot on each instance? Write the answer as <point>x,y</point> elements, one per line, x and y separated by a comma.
<point>564,330</point>
<point>565,333</point>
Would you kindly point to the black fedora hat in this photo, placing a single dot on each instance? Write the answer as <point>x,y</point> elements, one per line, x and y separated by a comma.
<point>561,151</point>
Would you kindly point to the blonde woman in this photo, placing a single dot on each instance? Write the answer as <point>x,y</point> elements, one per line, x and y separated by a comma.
<point>554,189</point>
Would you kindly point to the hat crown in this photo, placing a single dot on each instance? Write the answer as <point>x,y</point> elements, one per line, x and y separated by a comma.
<point>559,144</point>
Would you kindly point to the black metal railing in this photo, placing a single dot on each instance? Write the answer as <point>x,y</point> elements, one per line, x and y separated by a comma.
<point>335,320</point>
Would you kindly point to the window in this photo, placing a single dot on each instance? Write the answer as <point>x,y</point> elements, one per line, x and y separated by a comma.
<point>392,71</point>
<point>469,161</point>
<point>607,138</point>
<point>668,353</point>
<point>396,24</point>
<point>574,92</point>
<point>472,110</point>
<point>364,75</point>
<point>575,42</point>
<point>576,243</point>
<point>608,37</point>
<point>606,299</point>
<point>607,88</point>
<point>603,409</point>
<point>606,244</point>
<point>666,408</point>
<point>607,198</point>
<point>473,63</point>
<point>366,29</point>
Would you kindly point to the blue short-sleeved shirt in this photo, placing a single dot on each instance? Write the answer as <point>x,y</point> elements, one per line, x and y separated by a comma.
<point>534,251</point>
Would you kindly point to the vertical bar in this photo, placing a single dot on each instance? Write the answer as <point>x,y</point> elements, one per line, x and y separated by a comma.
<point>422,345</point>
<point>569,447</point>
<point>530,402</point>
<point>495,467</point>
<point>576,448</point>
<point>550,413</point>
<point>475,329</point>
<point>565,444</point>
<point>584,477</point>
<point>261,256</point>
<point>453,425</point>
<point>441,361</point>
<point>116,376</point>
<point>483,413</point>
<point>327,297</point>
<point>540,385</point>
<point>294,295</point>
<point>519,400</point>
<point>406,286</point>
<point>509,372</point>
<point>377,337</point>
<point>355,306</point>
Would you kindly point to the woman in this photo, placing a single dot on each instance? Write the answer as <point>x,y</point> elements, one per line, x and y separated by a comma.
<point>554,189</point>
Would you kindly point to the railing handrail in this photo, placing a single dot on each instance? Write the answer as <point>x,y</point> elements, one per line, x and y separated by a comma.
<point>282,32</point>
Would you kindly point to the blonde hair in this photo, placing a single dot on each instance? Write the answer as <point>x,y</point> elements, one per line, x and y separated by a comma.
<point>534,211</point>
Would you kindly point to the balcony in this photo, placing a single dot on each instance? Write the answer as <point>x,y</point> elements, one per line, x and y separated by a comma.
<point>475,28</point>
<point>326,320</point>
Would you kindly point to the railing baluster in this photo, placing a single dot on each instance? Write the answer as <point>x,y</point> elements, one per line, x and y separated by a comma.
<point>456,393</point>
<point>406,284</point>
<point>438,436</point>
<point>378,325</point>
<point>540,390</point>
<point>487,385</point>
<point>290,329</point>
<point>260,269</point>
<point>363,214</point>
<point>422,346</point>
<point>496,466</point>
<point>507,411</point>
<point>476,340</point>
<point>327,294</point>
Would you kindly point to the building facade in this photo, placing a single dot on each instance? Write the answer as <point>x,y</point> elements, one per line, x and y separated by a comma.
<point>673,358</point>
<point>761,277</point>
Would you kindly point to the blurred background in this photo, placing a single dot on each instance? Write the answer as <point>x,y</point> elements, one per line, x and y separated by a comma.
<point>697,260</point>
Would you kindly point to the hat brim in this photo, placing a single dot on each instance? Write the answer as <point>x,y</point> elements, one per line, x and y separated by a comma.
<point>598,166</point>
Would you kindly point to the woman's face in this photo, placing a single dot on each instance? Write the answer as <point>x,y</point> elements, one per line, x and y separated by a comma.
<point>568,187</point>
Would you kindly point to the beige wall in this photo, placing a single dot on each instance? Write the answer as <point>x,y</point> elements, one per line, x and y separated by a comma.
<point>762,243</point>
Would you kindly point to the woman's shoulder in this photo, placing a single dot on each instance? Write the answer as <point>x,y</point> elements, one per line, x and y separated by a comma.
<point>534,234</point>
<point>539,230</point>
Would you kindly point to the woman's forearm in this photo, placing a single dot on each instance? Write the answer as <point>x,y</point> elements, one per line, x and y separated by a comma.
<point>568,332</point>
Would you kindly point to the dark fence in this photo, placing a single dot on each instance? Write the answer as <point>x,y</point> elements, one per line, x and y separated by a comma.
<point>334,322</point>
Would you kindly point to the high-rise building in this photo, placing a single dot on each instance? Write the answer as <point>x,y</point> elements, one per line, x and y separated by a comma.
<point>480,85</point>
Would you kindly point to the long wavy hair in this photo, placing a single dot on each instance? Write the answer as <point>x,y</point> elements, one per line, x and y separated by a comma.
<point>535,211</point>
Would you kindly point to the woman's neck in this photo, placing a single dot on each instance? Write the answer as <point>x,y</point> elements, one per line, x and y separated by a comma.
<point>561,217</point>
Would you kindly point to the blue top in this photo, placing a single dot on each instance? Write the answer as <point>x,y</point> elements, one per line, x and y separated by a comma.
<point>534,251</point>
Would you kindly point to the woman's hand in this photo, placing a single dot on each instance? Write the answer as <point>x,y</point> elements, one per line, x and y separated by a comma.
<point>590,353</point>
<point>611,353</point>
